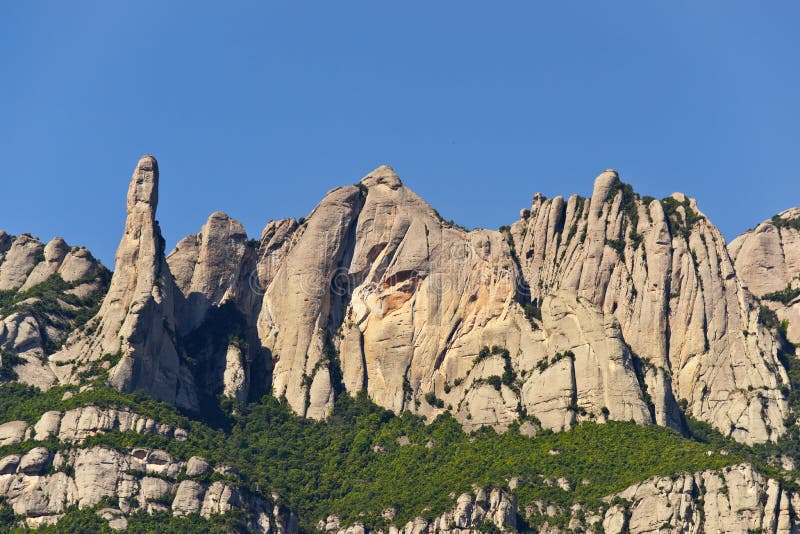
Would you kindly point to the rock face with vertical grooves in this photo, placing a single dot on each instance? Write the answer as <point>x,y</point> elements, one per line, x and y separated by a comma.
<point>376,286</point>
<point>214,272</point>
<point>211,268</point>
<point>662,269</point>
<point>614,307</point>
<point>767,260</point>
<point>136,323</point>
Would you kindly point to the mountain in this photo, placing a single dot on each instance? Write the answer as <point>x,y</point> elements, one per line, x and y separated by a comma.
<point>767,259</point>
<point>311,378</point>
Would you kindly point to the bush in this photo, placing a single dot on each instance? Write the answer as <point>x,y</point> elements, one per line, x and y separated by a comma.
<point>327,467</point>
<point>784,296</point>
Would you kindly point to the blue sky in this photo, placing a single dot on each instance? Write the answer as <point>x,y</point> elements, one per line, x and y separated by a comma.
<point>258,108</point>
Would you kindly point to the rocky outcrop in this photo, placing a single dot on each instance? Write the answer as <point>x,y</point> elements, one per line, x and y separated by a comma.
<point>374,282</point>
<point>211,268</point>
<point>216,273</point>
<point>737,499</point>
<point>662,269</point>
<point>40,486</point>
<point>74,426</point>
<point>136,324</point>
<point>493,510</point>
<point>767,259</point>
<point>614,307</point>
<point>47,291</point>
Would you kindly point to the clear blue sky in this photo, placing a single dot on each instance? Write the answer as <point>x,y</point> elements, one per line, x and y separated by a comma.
<point>258,108</point>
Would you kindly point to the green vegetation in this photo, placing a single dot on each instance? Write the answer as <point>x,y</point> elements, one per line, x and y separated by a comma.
<point>51,304</point>
<point>7,362</point>
<point>450,223</point>
<point>616,244</point>
<point>545,363</point>
<point>352,463</point>
<point>533,313</point>
<point>630,208</point>
<point>768,317</point>
<point>784,296</point>
<point>87,521</point>
<point>780,222</point>
<point>680,224</point>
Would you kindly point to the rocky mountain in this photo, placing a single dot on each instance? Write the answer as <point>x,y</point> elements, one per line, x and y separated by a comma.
<point>736,499</point>
<point>46,292</point>
<point>767,260</point>
<point>614,308</point>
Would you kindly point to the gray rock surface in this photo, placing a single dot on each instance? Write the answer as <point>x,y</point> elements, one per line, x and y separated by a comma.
<point>471,513</point>
<point>767,259</point>
<point>29,327</point>
<point>85,477</point>
<point>662,269</point>
<point>408,301</point>
<point>137,318</point>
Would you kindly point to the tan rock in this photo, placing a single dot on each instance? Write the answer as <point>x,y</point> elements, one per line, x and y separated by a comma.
<point>12,432</point>
<point>137,316</point>
<point>677,298</point>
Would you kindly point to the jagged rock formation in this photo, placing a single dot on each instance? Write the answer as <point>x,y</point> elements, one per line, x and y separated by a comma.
<point>408,301</point>
<point>616,307</point>
<point>737,499</point>
<point>767,259</point>
<point>135,328</point>
<point>662,269</point>
<point>74,426</point>
<point>613,307</point>
<point>211,268</point>
<point>492,510</point>
<point>46,291</point>
<point>215,274</point>
<point>40,485</point>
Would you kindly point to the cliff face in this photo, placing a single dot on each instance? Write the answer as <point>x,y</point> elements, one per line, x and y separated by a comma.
<point>767,260</point>
<point>377,287</point>
<point>614,307</point>
<point>736,499</point>
<point>46,291</point>
<point>135,329</point>
<point>406,302</point>
<point>663,271</point>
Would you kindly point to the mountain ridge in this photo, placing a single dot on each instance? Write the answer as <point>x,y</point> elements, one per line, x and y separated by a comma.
<point>616,307</point>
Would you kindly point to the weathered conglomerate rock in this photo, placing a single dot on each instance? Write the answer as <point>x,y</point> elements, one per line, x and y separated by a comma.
<point>215,272</point>
<point>614,307</point>
<point>77,424</point>
<point>375,282</point>
<point>29,327</point>
<point>408,301</point>
<point>41,485</point>
<point>767,259</point>
<point>662,269</point>
<point>211,268</point>
<point>737,499</point>
<point>137,318</point>
<point>492,510</point>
